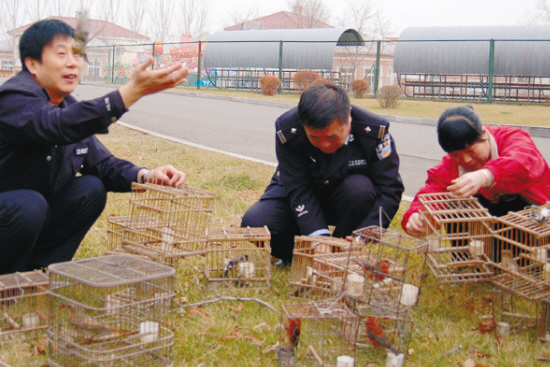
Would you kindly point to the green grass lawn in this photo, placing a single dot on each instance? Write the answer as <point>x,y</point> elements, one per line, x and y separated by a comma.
<point>240,333</point>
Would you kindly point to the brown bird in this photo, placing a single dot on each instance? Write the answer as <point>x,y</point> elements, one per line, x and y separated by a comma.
<point>92,328</point>
<point>376,335</point>
<point>292,328</point>
<point>82,35</point>
<point>508,262</point>
<point>378,271</point>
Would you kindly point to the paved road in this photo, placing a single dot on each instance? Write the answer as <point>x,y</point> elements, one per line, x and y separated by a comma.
<point>246,128</point>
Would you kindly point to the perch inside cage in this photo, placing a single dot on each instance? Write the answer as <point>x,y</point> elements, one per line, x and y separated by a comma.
<point>459,236</point>
<point>389,270</point>
<point>317,333</point>
<point>320,274</point>
<point>111,309</point>
<point>240,256</point>
<point>24,302</point>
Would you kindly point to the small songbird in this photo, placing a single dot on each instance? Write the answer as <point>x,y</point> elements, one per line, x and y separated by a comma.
<point>292,328</point>
<point>81,35</point>
<point>233,263</point>
<point>508,262</point>
<point>378,271</point>
<point>376,335</point>
<point>91,328</point>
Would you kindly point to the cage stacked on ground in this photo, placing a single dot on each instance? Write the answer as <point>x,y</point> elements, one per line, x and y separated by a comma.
<point>165,223</point>
<point>24,301</point>
<point>110,311</point>
<point>459,234</point>
<point>238,256</point>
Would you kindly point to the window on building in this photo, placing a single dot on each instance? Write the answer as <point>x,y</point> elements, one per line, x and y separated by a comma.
<point>346,75</point>
<point>369,76</point>
<point>94,68</point>
<point>7,65</point>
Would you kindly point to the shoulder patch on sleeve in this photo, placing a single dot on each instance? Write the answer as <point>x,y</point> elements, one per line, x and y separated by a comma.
<point>373,131</point>
<point>383,149</point>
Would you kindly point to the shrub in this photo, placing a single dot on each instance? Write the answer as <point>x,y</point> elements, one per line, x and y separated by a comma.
<point>269,84</point>
<point>389,96</point>
<point>359,88</point>
<point>305,79</point>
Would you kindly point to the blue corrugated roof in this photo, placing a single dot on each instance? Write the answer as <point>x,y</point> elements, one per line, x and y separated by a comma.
<point>311,48</point>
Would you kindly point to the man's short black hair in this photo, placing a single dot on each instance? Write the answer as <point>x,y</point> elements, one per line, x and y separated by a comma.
<point>38,35</point>
<point>458,128</point>
<point>321,104</point>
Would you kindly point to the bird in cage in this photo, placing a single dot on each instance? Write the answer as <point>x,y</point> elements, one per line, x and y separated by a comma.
<point>233,263</point>
<point>508,262</point>
<point>293,325</point>
<point>376,335</point>
<point>91,328</point>
<point>379,271</point>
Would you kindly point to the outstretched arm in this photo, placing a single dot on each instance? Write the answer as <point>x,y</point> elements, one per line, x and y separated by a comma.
<point>166,175</point>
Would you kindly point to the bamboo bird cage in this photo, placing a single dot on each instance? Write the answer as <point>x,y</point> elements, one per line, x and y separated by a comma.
<point>239,256</point>
<point>111,310</point>
<point>24,303</point>
<point>459,236</point>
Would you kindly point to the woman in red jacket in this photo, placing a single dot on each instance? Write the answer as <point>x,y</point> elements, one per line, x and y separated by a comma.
<point>501,166</point>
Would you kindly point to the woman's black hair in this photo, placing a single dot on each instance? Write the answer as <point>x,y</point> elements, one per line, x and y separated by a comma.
<point>458,127</point>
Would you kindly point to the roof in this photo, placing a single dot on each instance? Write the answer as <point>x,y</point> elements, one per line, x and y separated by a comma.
<point>519,50</point>
<point>99,28</point>
<point>280,20</point>
<point>311,48</point>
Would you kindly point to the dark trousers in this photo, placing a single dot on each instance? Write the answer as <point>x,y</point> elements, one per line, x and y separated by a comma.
<point>35,232</point>
<point>345,207</point>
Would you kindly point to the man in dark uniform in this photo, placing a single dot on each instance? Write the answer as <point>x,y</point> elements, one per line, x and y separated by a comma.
<point>54,172</point>
<point>337,166</point>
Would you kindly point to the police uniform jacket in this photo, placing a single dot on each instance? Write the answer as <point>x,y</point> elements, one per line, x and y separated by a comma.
<point>43,146</point>
<point>304,172</point>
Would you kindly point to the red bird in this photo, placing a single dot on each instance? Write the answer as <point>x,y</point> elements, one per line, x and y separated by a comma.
<point>379,271</point>
<point>292,328</point>
<point>376,335</point>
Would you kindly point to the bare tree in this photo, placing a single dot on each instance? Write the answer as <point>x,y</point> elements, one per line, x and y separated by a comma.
<point>310,12</point>
<point>62,8</point>
<point>11,16</point>
<point>194,16</point>
<point>110,13</point>
<point>243,16</point>
<point>136,15</point>
<point>162,19</point>
<point>37,9</point>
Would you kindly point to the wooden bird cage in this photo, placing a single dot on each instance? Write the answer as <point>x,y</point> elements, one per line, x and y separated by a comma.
<point>459,236</point>
<point>521,254</point>
<point>397,327</point>
<point>24,303</point>
<point>517,313</point>
<point>316,275</point>
<point>327,331</point>
<point>165,223</point>
<point>544,321</point>
<point>239,256</point>
<point>388,272</point>
<point>111,310</point>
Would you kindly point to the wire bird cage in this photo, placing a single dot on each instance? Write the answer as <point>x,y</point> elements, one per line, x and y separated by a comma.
<point>397,330</point>
<point>388,272</point>
<point>165,223</point>
<point>24,302</point>
<point>317,333</point>
<point>459,236</point>
<point>110,310</point>
<point>240,256</point>
<point>522,241</point>
<point>318,275</point>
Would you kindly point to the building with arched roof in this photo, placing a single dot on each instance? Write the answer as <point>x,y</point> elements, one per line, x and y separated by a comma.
<point>508,63</point>
<point>255,53</point>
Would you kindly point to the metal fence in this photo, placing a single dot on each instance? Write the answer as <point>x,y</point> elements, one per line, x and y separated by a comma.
<point>464,70</point>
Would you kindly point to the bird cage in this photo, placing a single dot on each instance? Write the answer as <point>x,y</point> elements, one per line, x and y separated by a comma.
<point>521,264</point>
<point>318,275</point>
<point>240,256</point>
<point>168,223</point>
<point>459,236</point>
<point>544,321</point>
<point>389,271</point>
<point>24,302</point>
<point>317,333</point>
<point>111,310</point>
<point>382,334</point>
<point>515,314</point>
